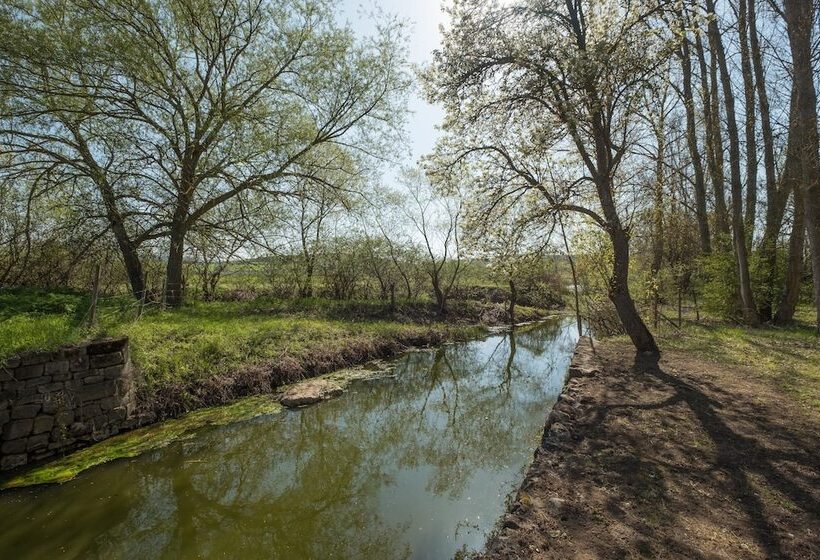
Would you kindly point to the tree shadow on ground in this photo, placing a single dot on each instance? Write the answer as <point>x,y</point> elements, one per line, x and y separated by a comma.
<point>755,460</point>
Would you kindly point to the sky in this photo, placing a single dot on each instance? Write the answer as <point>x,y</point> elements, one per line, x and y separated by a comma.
<point>424,17</point>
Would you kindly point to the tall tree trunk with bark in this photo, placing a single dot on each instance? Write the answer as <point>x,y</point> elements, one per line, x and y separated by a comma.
<point>799,16</point>
<point>714,141</point>
<point>794,266</point>
<point>747,301</point>
<point>749,87</point>
<point>777,193</point>
<point>692,143</point>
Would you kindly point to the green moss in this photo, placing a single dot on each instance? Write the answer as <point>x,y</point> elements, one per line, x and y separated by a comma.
<point>142,440</point>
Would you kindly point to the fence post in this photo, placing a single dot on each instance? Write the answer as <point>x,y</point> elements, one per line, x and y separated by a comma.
<point>164,289</point>
<point>95,295</point>
<point>141,306</point>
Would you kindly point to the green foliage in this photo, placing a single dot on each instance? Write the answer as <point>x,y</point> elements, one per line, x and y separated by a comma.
<point>717,282</point>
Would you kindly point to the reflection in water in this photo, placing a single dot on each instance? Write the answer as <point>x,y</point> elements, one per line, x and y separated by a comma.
<point>416,466</point>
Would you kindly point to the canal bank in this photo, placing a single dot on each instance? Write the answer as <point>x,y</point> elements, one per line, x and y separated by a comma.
<point>415,464</point>
<point>678,458</point>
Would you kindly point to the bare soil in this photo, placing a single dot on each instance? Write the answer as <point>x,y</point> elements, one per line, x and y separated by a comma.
<point>677,458</point>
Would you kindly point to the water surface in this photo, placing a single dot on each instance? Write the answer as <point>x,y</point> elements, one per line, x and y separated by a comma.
<point>414,466</point>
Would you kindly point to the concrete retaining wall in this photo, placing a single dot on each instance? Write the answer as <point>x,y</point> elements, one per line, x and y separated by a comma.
<point>55,402</point>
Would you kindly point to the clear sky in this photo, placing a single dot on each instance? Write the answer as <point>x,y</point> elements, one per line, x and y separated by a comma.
<point>424,17</point>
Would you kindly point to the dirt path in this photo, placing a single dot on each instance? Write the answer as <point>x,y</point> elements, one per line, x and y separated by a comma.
<point>680,458</point>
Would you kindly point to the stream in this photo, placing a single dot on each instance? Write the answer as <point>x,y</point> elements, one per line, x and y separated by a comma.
<point>414,465</point>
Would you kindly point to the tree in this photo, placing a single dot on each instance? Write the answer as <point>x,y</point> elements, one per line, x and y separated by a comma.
<point>747,300</point>
<point>436,219</point>
<point>507,239</point>
<point>521,82</point>
<point>799,17</point>
<point>168,110</point>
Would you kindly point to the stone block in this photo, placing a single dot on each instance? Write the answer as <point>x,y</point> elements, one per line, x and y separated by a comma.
<point>79,362</point>
<point>111,372</point>
<point>30,396</point>
<point>108,403</point>
<point>40,454</point>
<point>13,386</point>
<point>5,416</point>
<point>78,429</point>
<point>42,423</point>
<point>88,380</point>
<point>6,374</point>
<point>64,418</point>
<point>11,363</point>
<point>13,461</point>
<point>24,392</point>
<point>62,367</point>
<point>51,387</point>
<point>96,391</point>
<point>107,346</point>
<point>61,444</point>
<point>97,361</point>
<point>37,442</point>
<point>37,381</point>
<point>61,376</point>
<point>14,446</point>
<point>18,428</point>
<point>25,411</point>
<point>89,411</point>
<point>28,372</point>
<point>35,358</point>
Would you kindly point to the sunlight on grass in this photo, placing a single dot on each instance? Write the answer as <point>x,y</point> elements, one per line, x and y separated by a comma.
<point>788,357</point>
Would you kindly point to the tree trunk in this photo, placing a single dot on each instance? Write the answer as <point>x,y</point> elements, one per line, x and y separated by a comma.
<point>714,141</point>
<point>750,126</point>
<point>738,226</point>
<point>513,299</point>
<point>622,299</point>
<point>694,152</point>
<point>799,15</point>
<point>174,268</point>
<point>307,287</point>
<point>133,267</point>
<point>776,194</point>
<point>794,267</point>
<point>441,298</point>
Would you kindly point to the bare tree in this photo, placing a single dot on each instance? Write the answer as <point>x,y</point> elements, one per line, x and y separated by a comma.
<point>436,219</point>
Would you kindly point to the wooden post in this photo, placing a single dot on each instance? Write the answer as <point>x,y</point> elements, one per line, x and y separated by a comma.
<point>164,286</point>
<point>95,295</point>
<point>141,306</point>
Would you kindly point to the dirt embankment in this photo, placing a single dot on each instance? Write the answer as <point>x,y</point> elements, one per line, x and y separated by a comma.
<point>677,459</point>
<point>172,399</point>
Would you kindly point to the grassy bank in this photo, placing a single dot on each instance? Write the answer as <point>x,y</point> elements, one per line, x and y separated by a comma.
<point>787,357</point>
<point>210,353</point>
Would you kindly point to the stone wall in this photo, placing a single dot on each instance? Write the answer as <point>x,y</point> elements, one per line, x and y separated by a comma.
<point>54,402</point>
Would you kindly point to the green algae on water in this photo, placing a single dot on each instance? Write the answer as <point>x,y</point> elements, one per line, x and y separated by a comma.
<point>143,440</point>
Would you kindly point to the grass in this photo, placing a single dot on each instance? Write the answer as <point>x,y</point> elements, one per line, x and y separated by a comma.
<point>789,357</point>
<point>201,340</point>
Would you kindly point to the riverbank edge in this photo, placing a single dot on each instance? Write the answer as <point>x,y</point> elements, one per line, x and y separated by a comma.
<point>557,437</point>
<point>156,406</point>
